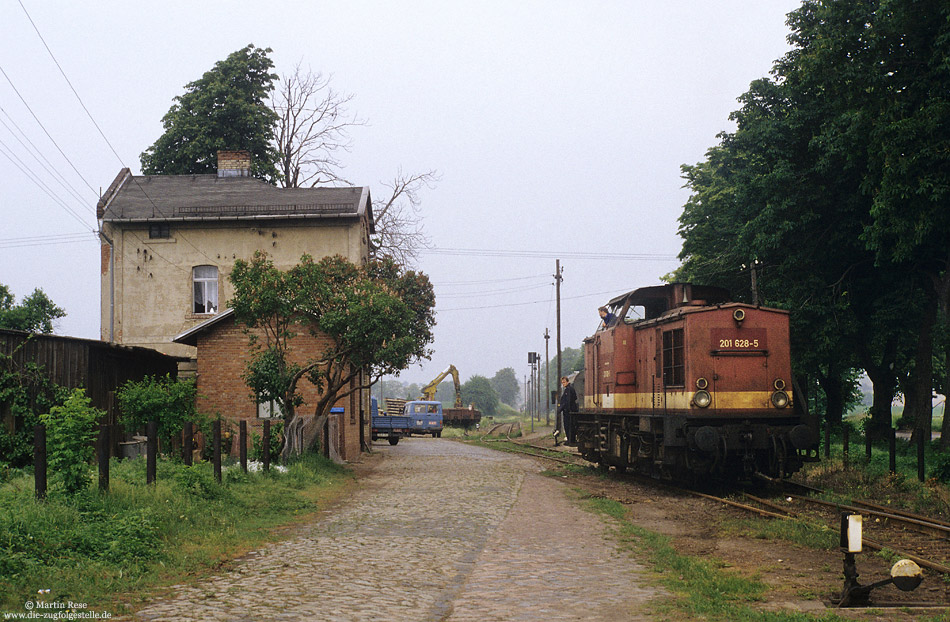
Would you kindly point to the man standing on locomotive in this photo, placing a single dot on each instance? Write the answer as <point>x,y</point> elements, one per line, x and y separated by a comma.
<point>566,406</point>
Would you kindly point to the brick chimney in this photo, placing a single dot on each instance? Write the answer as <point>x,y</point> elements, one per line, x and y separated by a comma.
<point>234,164</point>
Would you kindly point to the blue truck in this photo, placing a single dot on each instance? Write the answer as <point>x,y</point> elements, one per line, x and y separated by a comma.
<point>391,427</point>
<point>425,417</point>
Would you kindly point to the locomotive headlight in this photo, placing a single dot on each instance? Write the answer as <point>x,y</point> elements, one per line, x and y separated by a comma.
<point>780,399</point>
<point>701,383</point>
<point>702,398</point>
<point>779,384</point>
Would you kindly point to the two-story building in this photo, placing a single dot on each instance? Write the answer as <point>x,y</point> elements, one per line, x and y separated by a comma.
<point>169,243</point>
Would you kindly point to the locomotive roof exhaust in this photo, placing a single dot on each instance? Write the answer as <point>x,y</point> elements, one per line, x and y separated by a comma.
<point>659,299</point>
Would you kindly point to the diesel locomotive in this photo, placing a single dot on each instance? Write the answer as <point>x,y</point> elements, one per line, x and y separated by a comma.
<point>680,382</point>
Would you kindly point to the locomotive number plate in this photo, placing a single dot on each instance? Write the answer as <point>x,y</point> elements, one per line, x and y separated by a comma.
<point>738,340</point>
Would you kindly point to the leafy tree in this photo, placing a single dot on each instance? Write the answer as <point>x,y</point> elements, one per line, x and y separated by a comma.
<point>478,390</point>
<point>226,109</point>
<point>170,403</point>
<point>506,386</point>
<point>70,430</point>
<point>376,319</point>
<point>35,314</point>
<point>829,191</point>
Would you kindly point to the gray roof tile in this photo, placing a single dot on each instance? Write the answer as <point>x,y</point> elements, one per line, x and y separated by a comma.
<point>204,197</point>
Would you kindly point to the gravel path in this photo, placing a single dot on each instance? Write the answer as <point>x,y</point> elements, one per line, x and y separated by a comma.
<point>438,531</point>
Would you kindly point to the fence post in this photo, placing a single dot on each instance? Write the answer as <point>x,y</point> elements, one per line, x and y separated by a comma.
<point>845,442</point>
<point>151,451</point>
<point>827,437</point>
<point>265,445</point>
<point>892,450</point>
<point>921,443</point>
<point>104,457</point>
<point>216,439</point>
<point>39,460</point>
<point>186,447</point>
<point>242,438</point>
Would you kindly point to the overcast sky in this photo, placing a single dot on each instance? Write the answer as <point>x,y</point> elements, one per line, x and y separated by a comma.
<point>558,128</point>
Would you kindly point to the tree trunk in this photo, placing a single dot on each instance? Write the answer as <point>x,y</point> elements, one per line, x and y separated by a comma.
<point>921,397</point>
<point>834,396</point>
<point>884,385</point>
<point>293,438</point>
<point>945,428</point>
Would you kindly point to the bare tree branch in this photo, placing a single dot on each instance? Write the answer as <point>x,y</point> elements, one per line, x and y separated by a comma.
<point>313,126</point>
<point>399,231</point>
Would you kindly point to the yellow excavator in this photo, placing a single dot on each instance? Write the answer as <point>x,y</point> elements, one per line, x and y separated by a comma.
<point>458,416</point>
<point>428,391</point>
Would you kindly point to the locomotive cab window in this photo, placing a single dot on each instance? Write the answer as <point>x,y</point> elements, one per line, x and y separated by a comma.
<point>674,367</point>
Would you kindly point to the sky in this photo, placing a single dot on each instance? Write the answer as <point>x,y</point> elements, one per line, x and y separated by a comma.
<point>557,128</point>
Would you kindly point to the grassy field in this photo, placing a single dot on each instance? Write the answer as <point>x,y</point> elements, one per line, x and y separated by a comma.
<point>112,549</point>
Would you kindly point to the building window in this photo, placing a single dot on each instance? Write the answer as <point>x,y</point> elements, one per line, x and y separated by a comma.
<point>161,231</point>
<point>269,410</point>
<point>674,368</point>
<point>205,279</point>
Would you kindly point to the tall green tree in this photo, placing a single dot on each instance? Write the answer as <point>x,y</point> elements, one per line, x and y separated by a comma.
<point>376,319</point>
<point>478,390</point>
<point>506,386</point>
<point>829,190</point>
<point>226,109</point>
<point>36,313</point>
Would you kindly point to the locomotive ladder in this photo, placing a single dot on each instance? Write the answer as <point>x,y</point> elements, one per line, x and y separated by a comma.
<point>602,430</point>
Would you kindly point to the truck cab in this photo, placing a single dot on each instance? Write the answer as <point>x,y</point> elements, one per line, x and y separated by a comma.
<point>425,417</point>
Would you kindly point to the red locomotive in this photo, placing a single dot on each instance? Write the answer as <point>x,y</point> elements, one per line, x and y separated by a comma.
<point>698,385</point>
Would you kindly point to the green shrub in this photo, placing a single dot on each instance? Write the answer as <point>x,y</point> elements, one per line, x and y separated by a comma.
<point>276,442</point>
<point>26,391</point>
<point>170,403</point>
<point>941,468</point>
<point>70,430</point>
<point>198,480</point>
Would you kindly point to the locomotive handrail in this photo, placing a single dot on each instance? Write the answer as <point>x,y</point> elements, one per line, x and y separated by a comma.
<point>739,352</point>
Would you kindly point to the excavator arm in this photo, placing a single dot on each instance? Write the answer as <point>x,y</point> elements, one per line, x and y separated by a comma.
<point>428,391</point>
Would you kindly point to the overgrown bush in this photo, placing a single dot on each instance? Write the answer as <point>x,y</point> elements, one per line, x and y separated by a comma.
<point>276,442</point>
<point>941,468</point>
<point>169,402</point>
<point>26,392</point>
<point>70,430</point>
<point>198,480</point>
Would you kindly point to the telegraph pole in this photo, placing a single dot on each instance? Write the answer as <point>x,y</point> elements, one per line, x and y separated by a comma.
<point>557,285</point>
<point>547,378</point>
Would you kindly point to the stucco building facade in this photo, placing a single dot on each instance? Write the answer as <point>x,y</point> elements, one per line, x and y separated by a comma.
<point>169,243</point>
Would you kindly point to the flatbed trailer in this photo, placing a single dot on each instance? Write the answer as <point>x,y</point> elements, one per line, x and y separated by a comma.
<point>390,427</point>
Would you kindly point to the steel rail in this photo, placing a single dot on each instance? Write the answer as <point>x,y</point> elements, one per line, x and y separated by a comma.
<point>923,526</point>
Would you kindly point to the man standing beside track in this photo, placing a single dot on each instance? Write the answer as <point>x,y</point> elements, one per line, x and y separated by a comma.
<point>565,408</point>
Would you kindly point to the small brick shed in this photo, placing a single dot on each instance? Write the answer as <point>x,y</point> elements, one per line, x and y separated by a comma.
<point>223,353</point>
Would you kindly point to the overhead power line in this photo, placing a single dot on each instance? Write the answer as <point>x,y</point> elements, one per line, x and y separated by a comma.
<point>482,252</point>
<point>47,240</point>
<point>612,292</point>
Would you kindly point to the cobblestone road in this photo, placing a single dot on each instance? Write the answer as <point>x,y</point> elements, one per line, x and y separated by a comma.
<point>438,531</point>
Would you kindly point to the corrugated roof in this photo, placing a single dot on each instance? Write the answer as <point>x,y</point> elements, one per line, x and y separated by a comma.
<point>209,197</point>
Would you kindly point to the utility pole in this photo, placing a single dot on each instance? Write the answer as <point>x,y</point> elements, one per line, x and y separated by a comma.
<point>526,395</point>
<point>557,285</point>
<point>547,378</point>
<point>753,269</point>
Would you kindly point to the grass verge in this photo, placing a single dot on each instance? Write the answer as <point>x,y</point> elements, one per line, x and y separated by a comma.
<point>699,588</point>
<point>110,550</point>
